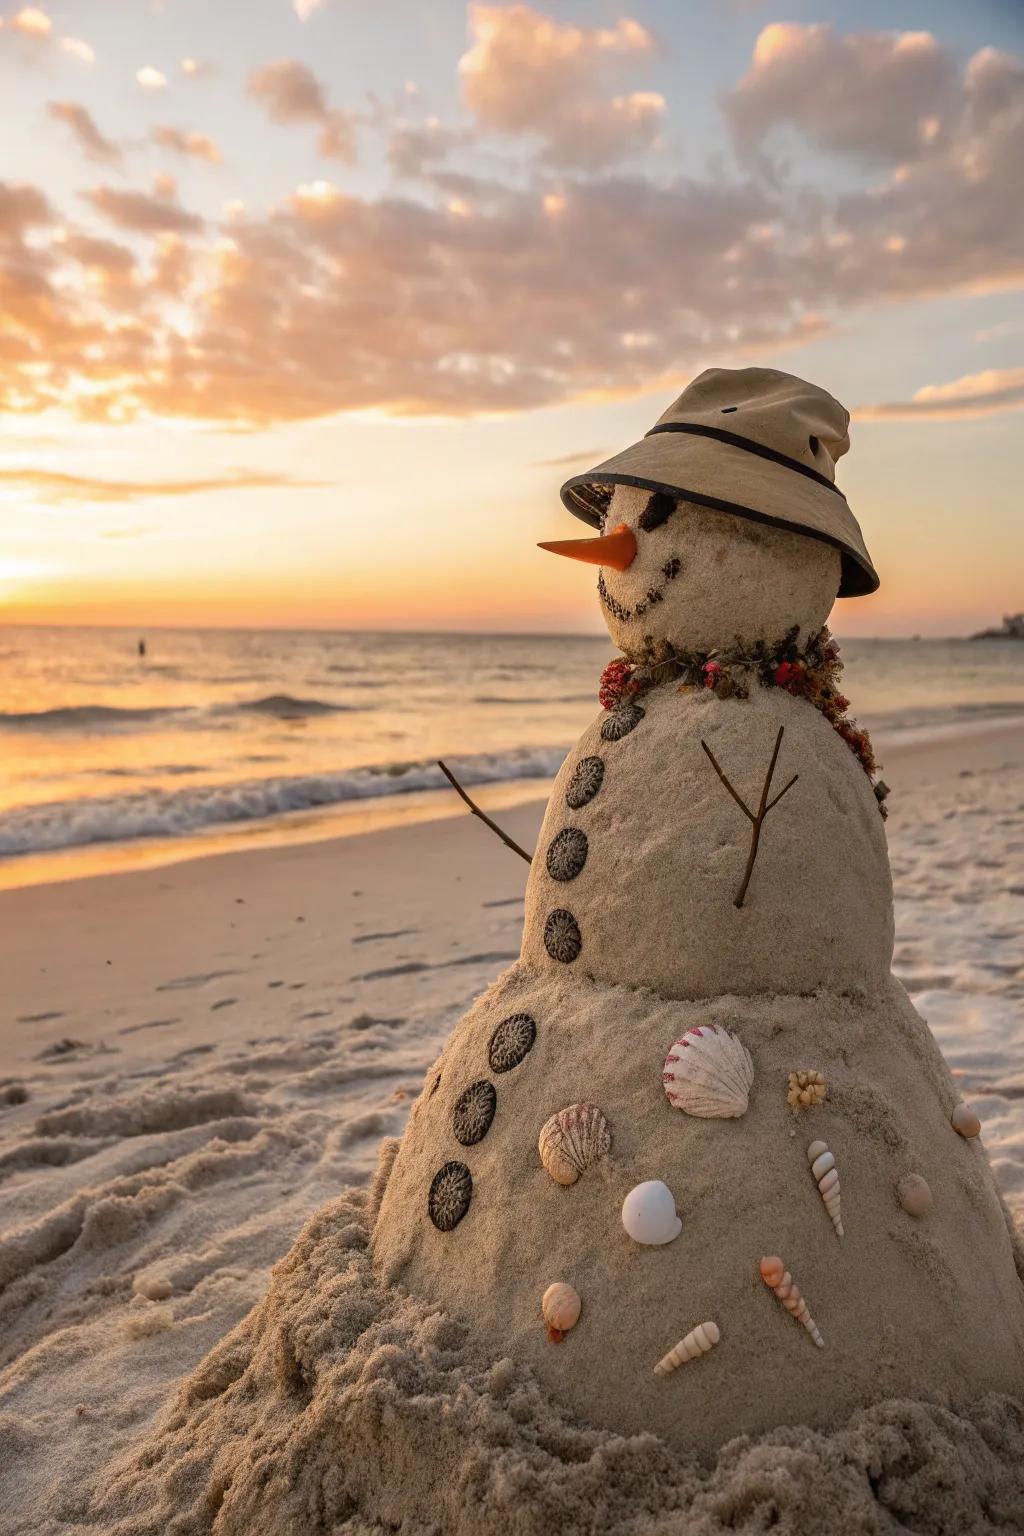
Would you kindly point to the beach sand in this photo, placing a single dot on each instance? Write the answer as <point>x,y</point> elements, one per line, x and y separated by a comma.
<point>196,1058</point>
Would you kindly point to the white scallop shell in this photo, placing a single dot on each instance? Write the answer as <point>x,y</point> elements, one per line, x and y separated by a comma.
<point>697,1342</point>
<point>572,1140</point>
<point>708,1073</point>
<point>649,1213</point>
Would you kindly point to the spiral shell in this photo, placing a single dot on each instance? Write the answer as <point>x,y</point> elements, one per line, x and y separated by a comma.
<point>560,1306</point>
<point>823,1171</point>
<point>778,1278</point>
<point>708,1073</point>
<point>697,1342</point>
<point>806,1089</point>
<point>572,1140</point>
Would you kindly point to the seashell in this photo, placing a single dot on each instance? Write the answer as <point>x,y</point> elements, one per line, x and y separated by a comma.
<point>964,1120</point>
<point>697,1342</point>
<point>823,1169</point>
<point>778,1278</point>
<point>511,1042</point>
<point>560,1306</point>
<point>621,721</point>
<point>451,1190</point>
<point>562,938</point>
<point>914,1195</point>
<point>572,1140</point>
<point>708,1073</point>
<point>567,853</point>
<point>649,1213</point>
<point>473,1112</point>
<point>587,778</point>
<point>805,1090</point>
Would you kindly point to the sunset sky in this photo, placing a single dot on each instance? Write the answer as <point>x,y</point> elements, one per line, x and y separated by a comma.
<point>307,307</point>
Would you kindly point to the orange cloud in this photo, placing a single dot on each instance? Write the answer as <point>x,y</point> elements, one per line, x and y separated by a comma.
<point>50,486</point>
<point>525,73</point>
<point>82,124</point>
<point>291,93</point>
<point>182,141</point>
<point>976,394</point>
<point>141,213</point>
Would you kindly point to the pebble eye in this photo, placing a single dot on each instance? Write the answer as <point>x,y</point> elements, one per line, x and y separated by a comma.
<point>658,509</point>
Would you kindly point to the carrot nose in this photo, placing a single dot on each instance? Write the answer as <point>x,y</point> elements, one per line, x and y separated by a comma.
<point>617,549</point>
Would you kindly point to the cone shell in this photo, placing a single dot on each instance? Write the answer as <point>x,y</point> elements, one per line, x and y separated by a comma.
<point>708,1073</point>
<point>697,1342</point>
<point>777,1277</point>
<point>572,1140</point>
<point>561,1307</point>
<point>823,1171</point>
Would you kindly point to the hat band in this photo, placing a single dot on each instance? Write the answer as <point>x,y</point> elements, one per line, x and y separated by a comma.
<point>721,436</point>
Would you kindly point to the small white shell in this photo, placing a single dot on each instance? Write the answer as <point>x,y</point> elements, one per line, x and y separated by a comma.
<point>697,1342</point>
<point>823,1170</point>
<point>965,1121</point>
<point>778,1278</point>
<point>561,1307</point>
<point>914,1194</point>
<point>572,1140</point>
<point>708,1073</point>
<point>649,1213</point>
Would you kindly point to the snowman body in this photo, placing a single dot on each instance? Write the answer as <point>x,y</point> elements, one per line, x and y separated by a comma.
<point>632,938</point>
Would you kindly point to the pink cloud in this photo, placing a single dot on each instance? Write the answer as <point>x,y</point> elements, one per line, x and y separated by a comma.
<point>290,93</point>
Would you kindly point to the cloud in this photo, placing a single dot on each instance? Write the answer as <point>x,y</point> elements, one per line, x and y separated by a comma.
<point>582,456</point>
<point>54,487</point>
<point>182,141</point>
<point>198,69</point>
<point>878,96</point>
<point>525,73</point>
<point>150,79</point>
<point>291,93</point>
<point>78,49</point>
<point>31,22</point>
<point>976,394</point>
<point>82,124</point>
<point>22,207</point>
<point>141,213</point>
<point>305,8</point>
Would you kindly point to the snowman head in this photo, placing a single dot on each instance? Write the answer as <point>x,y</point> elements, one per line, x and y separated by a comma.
<point>724,521</point>
<point>678,573</point>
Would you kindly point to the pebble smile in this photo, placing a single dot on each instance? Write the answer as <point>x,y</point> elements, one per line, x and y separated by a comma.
<point>669,571</point>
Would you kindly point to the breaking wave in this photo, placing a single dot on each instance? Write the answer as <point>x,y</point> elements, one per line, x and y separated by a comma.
<point>99,717</point>
<point>178,812</point>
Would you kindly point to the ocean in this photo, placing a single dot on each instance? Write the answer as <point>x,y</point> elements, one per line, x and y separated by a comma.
<point>219,738</point>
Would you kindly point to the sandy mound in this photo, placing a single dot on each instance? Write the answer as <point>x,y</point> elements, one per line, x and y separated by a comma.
<point>342,1405</point>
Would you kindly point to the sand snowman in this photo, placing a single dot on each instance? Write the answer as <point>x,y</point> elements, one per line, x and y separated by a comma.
<point>695,1158</point>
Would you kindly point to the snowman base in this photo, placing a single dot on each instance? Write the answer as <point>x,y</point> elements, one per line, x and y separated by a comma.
<point>343,1402</point>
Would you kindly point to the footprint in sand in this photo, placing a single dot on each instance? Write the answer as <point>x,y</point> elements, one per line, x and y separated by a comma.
<point>184,983</point>
<point>132,1029</point>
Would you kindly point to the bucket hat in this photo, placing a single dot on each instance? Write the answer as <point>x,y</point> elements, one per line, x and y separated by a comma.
<point>755,442</point>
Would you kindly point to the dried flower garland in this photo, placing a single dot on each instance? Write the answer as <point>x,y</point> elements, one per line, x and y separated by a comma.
<point>812,674</point>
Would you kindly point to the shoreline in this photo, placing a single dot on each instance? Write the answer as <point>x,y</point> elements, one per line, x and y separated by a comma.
<point>363,817</point>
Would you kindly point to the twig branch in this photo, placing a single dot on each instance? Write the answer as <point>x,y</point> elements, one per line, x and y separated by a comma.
<point>757,821</point>
<point>453,781</point>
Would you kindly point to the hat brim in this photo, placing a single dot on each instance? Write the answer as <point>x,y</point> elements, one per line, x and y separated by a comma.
<point>726,478</point>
